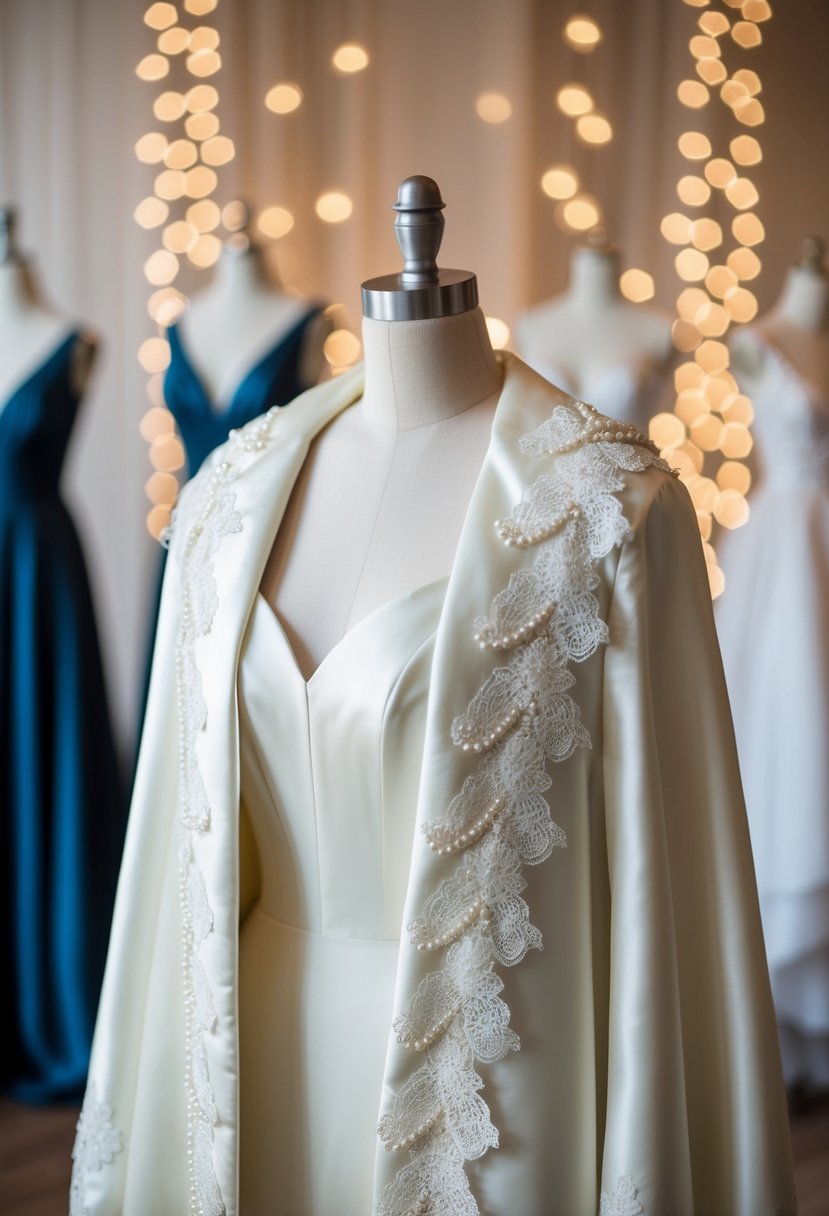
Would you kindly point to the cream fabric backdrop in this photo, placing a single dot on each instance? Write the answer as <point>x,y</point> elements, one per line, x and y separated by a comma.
<point>71,109</point>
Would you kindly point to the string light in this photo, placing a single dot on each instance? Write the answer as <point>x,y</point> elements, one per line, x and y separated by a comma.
<point>499,334</point>
<point>189,173</point>
<point>350,58</point>
<point>334,207</point>
<point>582,33</point>
<point>284,97</point>
<point>493,107</point>
<point>711,418</point>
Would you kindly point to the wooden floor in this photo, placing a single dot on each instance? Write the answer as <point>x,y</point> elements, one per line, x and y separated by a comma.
<point>35,1145</point>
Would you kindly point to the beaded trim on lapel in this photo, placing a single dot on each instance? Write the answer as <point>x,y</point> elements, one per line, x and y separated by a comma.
<point>546,618</point>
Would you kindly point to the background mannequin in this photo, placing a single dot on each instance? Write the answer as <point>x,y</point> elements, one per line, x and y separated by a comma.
<point>243,313</point>
<point>595,344</point>
<point>772,625</point>
<point>60,792</point>
<point>29,326</point>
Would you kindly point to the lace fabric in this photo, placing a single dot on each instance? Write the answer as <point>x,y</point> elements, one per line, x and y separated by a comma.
<point>522,717</point>
<point>622,1201</point>
<point>96,1143</point>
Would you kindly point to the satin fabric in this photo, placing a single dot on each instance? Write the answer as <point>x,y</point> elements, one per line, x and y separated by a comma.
<point>629,392</point>
<point>772,626</point>
<point>61,803</point>
<point>648,1041</point>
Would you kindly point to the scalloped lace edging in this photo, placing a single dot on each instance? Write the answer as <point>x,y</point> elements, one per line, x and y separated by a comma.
<point>523,716</point>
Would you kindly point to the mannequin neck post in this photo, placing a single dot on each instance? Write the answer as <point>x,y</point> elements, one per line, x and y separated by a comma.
<point>422,372</point>
<point>594,278</point>
<point>804,301</point>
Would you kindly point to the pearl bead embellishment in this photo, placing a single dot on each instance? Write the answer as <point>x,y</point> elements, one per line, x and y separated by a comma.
<point>602,430</point>
<point>434,1032</point>
<point>477,910</point>
<point>512,535</point>
<point>488,640</point>
<point>423,1129</point>
<point>443,841</point>
<point>501,728</point>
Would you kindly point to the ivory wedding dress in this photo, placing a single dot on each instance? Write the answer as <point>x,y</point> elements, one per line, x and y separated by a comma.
<point>309,1011</point>
<point>772,622</point>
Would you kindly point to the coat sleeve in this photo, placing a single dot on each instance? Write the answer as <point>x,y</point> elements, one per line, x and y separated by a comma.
<point>696,1115</point>
<point>131,1112</point>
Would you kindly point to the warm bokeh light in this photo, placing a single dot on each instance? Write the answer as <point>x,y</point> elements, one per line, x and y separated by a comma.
<point>154,354</point>
<point>167,454</point>
<point>748,229</point>
<point>200,182</point>
<point>169,106</point>
<point>740,304</point>
<point>179,236</point>
<point>218,151</point>
<point>581,212</point>
<point>201,126</point>
<point>712,71</point>
<point>744,263</point>
<point>284,97</point>
<point>151,212</point>
<point>493,107</point>
<point>731,475</point>
<point>720,172</point>
<point>205,251</point>
<point>694,145</point>
<point>203,63</point>
<point>703,46</point>
<point>204,215</point>
<point>637,285</point>
<point>161,268</point>
<point>201,98</point>
<point>166,305</point>
<point>582,33</point>
<point>150,148</point>
<point>685,336</point>
<point>334,206</point>
<point>174,41</point>
<point>666,431</point>
<point>498,331</point>
<point>153,67</point>
<point>712,356</point>
<point>691,305</point>
<point>746,150</point>
<point>560,181</point>
<point>756,10</point>
<point>157,520</point>
<point>573,100</point>
<point>160,16</point>
<point>275,222</point>
<point>693,191</point>
<point>676,228</point>
<point>706,234</point>
<point>350,58</point>
<point>594,129</point>
<point>693,94</point>
<point>749,79</point>
<point>342,348</point>
<point>749,111</point>
<point>742,194</point>
<point>161,488</point>
<point>746,34</point>
<point>169,184</point>
<point>156,422</point>
<point>714,24</point>
<point>200,8</point>
<point>204,38</point>
<point>180,154</point>
<point>719,280</point>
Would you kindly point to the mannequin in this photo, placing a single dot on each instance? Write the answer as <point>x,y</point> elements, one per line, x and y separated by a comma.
<point>242,313</point>
<point>775,660</point>
<point>29,327</point>
<point>797,325</point>
<point>418,435</point>
<point>584,339</point>
<point>60,789</point>
<point>335,856</point>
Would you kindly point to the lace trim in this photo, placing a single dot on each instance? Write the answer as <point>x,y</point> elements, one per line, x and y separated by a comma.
<point>96,1143</point>
<point>622,1202</point>
<point>522,716</point>
<point>214,516</point>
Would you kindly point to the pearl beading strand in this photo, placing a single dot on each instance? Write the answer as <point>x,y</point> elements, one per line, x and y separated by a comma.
<point>433,1033</point>
<point>501,728</point>
<point>423,1129</point>
<point>477,911</point>
<point>487,639</point>
<point>444,841</point>
<point>515,538</point>
<point>215,518</point>
<point>600,429</point>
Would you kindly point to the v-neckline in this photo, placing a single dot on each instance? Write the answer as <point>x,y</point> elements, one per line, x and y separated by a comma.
<point>48,358</point>
<point>352,635</point>
<point>224,404</point>
<point>502,358</point>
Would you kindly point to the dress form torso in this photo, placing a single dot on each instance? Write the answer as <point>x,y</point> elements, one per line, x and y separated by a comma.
<point>30,331</point>
<point>584,339</point>
<point>241,313</point>
<point>379,504</point>
<point>797,327</point>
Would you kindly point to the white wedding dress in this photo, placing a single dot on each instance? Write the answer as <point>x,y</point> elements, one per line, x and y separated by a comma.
<point>292,964</point>
<point>773,623</point>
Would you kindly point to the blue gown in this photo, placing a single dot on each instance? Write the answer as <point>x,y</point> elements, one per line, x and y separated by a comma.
<point>273,380</point>
<point>63,811</point>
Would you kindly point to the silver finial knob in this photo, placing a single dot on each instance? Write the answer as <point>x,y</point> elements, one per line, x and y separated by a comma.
<point>813,253</point>
<point>422,291</point>
<point>419,228</point>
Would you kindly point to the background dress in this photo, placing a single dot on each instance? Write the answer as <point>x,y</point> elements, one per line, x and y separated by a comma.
<point>60,797</point>
<point>773,622</point>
